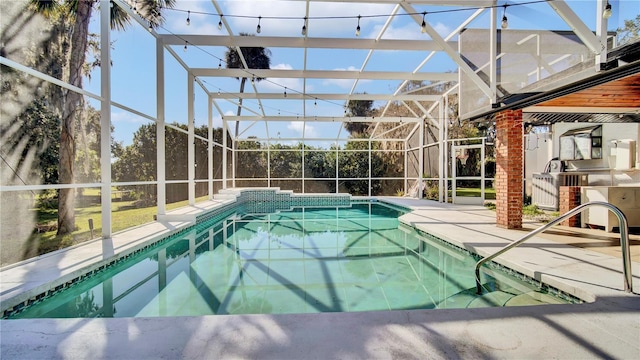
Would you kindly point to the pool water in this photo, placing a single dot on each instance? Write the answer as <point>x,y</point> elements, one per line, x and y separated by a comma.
<point>306,260</point>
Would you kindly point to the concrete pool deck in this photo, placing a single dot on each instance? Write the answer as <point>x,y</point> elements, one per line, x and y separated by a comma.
<point>606,327</point>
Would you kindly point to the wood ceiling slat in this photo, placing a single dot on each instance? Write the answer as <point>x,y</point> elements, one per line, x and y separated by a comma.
<point>620,93</point>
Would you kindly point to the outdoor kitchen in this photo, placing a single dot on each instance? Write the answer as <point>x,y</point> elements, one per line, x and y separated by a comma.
<point>602,159</point>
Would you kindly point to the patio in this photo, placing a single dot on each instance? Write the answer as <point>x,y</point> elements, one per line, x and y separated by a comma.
<point>608,326</point>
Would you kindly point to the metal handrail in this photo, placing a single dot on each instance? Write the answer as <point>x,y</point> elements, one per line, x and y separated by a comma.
<point>624,242</point>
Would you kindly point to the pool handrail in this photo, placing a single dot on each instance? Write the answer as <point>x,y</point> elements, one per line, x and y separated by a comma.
<point>624,241</point>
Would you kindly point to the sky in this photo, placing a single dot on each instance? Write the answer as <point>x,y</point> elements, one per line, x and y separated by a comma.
<point>133,55</point>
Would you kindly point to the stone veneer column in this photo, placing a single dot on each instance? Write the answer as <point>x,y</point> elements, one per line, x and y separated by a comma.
<point>570,199</point>
<point>509,169</point>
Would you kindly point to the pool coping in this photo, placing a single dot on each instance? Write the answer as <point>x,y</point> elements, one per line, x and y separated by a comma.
<point>43,279</point>
<point>581,273</point>
<point>33,279</point>
<point>609,326</point>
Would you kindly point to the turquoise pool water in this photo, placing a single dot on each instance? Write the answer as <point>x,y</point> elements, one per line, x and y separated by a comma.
<point>309,259</point>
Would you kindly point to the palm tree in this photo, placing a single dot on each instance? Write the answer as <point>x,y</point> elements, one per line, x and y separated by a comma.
<point>255,57</point>
<point>72,103</point>
<point>362,108</point>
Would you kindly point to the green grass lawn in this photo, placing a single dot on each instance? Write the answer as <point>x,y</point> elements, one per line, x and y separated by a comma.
<point>489,193</point>
<point>124,215</point>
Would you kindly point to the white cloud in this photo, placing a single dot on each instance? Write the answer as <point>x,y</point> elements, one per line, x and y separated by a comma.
<point>350,68</point>
<point>126,117</point>
<point>344,83</point>
<point>299,126</point>
<point>442,29</point>
<point>411,31</point>
<point>406,32</point>
<point>310,132</point>
<point>217,121</point>
<point>296,126</point>
<point>278,84</point>
<point>282,67</point>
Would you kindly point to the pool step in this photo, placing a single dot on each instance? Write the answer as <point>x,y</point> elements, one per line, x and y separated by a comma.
<point>492,299</point>
<point>506,297</point>
<point>532,298</point>
<point>458,301</point>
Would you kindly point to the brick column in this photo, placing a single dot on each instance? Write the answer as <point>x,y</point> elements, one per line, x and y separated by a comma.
<point>569,199</point>
<point>509,169</point>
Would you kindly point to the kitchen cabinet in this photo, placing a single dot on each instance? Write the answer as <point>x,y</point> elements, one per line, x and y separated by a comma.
<point>625,198</point>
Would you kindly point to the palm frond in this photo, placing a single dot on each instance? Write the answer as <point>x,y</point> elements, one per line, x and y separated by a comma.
<point>152,10</point>
<point>256,57</point>
<point>119,18</point>
<point>45,7</point>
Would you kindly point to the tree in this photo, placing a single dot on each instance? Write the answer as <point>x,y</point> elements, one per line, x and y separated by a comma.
<point>353,162</point>
<point>79,13</point>
<point>251,159</point>
<point>255,58</point>
<point>88,156</point>
<point>360,108</point>
<point>285,161</point>
<point>35,134</point>
<point>137,161</point>
<point>630,32</point>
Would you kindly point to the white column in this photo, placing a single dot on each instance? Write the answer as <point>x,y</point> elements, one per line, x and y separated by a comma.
<point>370,168</point>
<point>421,158</point>
<point>482,167</point>
<point>225,130</point>
<point>234,143</point>
<point>337,172</point>
<point>191,153</point>
<point>601,33</point>
<point>210,148</point>
<point>160,140</point>
<point>493,53</point>
<point>105,118</point>
<point>406,165</point>
<point>442,152</point>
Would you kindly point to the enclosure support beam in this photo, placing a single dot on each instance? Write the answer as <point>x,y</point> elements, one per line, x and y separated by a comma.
<point>454,55</point>
<point>191,154</point>
<point>210,148</point>
<point>601,33</point>
<point>442,151</point>
<point>105,123</point>
<point>421,159</point>
<point>225,130</point>
<point>370,174</point>
<point>406,165</point>
<point>336,172</point>
<point>160,140</point>
<point>269,166</point>
<point>493,53</point>
<point>234,158</point>
<point>579,28</point>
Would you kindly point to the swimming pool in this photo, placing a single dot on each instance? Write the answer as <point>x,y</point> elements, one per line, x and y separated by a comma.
<point>354,257</point>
